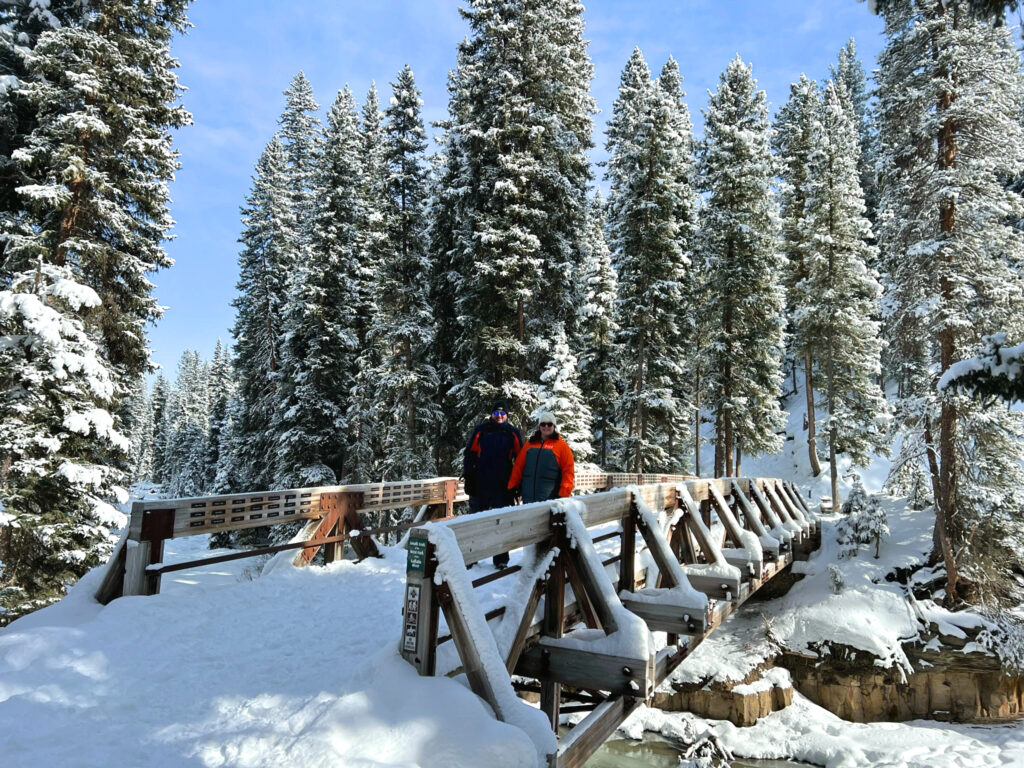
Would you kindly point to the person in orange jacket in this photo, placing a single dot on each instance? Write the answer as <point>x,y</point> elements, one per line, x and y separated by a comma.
<point>544,468</point>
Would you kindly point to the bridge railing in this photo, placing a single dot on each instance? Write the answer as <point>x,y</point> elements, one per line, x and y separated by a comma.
<point>713,527</point>
<point>334,515</point>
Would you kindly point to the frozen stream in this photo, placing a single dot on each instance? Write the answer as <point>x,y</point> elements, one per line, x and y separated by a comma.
<point>657,752</point>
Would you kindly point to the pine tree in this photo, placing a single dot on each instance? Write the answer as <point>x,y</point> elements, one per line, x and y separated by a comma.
<point>949,103</point>
<point>158,406</point>
<point>740,223</point>
<point>94,174</point>
<point>264,264</point>
<point>188,419</point>
<point>55,430</point>
<point>839,298</point>
<point>795,143</point>
<point>521,121</point>
<point>300,136</point>
<point>320,330</point>
<point>646,234</point>
<point>851,83</point>
<point>138,425</point>
<point>598,373</point>
<point>365,449</point>
<point>221,386</point>
<point>445,277</point>
<point>403,326</point>
<point>560,395</point>
<point>21,24</point>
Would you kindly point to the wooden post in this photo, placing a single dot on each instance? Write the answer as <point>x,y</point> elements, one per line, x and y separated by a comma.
<point>420,611</point>
<point>149,528</point>
<point>554,617</point>
<point>627,564</point>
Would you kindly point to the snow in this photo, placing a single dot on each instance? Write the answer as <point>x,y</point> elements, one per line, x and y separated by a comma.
<point>297,667</point>
<point>805,732</point>
<point>451,569</point>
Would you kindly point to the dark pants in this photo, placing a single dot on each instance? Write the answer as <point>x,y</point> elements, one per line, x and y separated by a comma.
<point>492,501</point>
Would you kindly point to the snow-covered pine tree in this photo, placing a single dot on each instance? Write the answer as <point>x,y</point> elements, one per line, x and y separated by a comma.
<point>794,143</point>
<point>364,447</point>
<point>445,278</point>
<point>320,330</point>
<point>848,72</point>
<point>646,236</point>
<point>21,24</point>
<point>560,394</point>
<point>267,258</point>
<point>685,388</point>
<point>94,174</point>
<point>949,104</point>
<point>521,119</point>
<point>56,430</point>
<point>745,297</point>
<point>158,407</point>
<point>299,130</point>
<point>188,420</point>
<point>838,299</point>
<point>599,376</point>
<point>221,388</point>
<point>402,327</point>
<point>138,424</point>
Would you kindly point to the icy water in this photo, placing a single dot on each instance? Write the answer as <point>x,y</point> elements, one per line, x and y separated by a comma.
<point>656,752</point>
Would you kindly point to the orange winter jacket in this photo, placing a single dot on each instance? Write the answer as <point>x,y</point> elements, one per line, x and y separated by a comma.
<point>544,468</point>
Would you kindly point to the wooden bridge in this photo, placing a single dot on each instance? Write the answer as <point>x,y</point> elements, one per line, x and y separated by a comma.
<point>634,554</point>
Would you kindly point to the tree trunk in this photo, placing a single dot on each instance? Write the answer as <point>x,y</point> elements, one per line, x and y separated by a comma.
<point>948,474</point>
<point>812,445</point>
<point>739,458</point>
<point>719,441</point>
<point>696,430</point>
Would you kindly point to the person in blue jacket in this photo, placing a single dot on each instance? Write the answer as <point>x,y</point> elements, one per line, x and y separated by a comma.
<point>487,463</point>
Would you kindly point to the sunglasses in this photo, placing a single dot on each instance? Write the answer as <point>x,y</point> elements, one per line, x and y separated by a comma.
<point>499,413</point>
<point>546,424</point>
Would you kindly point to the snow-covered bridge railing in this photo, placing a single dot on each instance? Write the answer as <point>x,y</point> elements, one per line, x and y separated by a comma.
<point>675,557</point>
<point>334,514</point>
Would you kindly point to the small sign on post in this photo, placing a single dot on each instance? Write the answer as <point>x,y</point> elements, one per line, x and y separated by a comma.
<point>417,561</point>
<point>419,622</point>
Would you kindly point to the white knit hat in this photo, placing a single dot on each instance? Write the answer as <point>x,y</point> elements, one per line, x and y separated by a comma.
<point>547,416</point>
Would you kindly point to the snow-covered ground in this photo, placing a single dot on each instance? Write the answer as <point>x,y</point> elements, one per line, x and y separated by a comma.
<point>300,667</point>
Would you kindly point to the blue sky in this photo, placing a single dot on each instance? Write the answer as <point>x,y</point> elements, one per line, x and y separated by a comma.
<point>241,55</point>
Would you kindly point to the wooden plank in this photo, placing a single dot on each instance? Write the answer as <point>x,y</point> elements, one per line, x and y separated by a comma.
<point>583,669</point>
<point>668,618</point>
<point>589,734</point>
<point>137,558</point>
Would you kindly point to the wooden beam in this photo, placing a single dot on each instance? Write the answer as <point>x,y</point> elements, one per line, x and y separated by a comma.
<point>472,664</point>
<point>589,734</point>
<point>548,662</point>
<point>668,618</point>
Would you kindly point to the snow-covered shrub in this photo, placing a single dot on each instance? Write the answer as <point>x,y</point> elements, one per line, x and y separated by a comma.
<point>866,526</point>
<point>1004,636</point>
<point>858,498</point>
<point>835,577</point>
